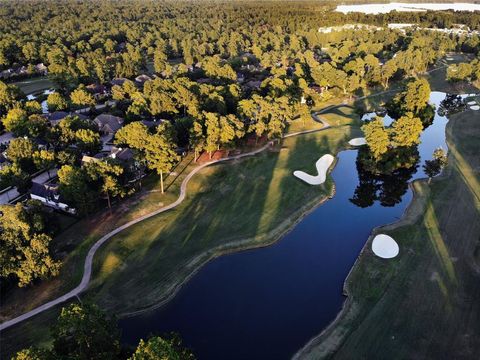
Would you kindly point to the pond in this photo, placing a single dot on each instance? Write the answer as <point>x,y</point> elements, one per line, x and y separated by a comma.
<point>267,303</point>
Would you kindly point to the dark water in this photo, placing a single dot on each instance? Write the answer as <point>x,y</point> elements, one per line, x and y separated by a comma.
<point>267,303</point>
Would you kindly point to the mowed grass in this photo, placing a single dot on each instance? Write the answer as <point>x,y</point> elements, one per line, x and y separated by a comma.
<point>236,205</point>
<point>35,85</point>
<point>243,204</point>
<point>424,304</point>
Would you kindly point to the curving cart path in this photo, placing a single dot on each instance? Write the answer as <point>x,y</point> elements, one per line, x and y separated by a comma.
<point>87,268</point>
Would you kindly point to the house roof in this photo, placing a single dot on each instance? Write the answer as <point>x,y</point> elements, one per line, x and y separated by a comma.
<point>123,154</point>
<point>56,116</point>
<point>150,123</point>
<point>142,78</point>
<point>118,81</point>
<point>96,88</point>
<point>108,123</point>
<point>46,191</point>
<point>6,137</point>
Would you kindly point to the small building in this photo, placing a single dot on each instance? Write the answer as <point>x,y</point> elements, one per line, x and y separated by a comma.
<point>118,81</point>
<point>41,69</point>
<point>55,117</point>
<point>98,91</point>
<point>142,79</point>
<point>49,195</point>
<point>108,124</point>
<point>122,154</point>
<point>253,84</point>
<point>5,138</point>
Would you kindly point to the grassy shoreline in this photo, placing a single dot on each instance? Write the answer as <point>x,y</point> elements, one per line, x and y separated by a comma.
<point>331,140</point>
<point>438,241</point>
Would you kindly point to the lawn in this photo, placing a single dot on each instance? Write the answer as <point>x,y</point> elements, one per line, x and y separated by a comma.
<point>35,85</point>
<point>243,204</point>
<point>240,204</point>
<point>229,207</point>
<point>424,303</point>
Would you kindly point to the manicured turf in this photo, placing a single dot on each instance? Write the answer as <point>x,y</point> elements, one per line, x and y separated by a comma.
<point>424,303</point>
<point>243,204</point>
<point>34,85</point>
<point>236,205</point>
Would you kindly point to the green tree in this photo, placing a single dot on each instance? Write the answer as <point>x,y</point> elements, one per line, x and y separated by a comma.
<point>133,135</point>
<point>37,126</point>
<point>376,137</point>
<point>44,159</point>
<point>88,141</point>
<point>108,176</point>
<point>82,97</point>
<point>406,130</point>
<point>416,95</point>
<point>20,151</point>
<point>56,102</point>
<point>160,151</point>
<point>83,332</point>
<point>33,107</point>
<point>157,348</point>
<point>16,121</point>
<point>197,138</point>
<point>74,187</point>
<point>32,354</point>
<point>24,245</point>
<point>10,96</point>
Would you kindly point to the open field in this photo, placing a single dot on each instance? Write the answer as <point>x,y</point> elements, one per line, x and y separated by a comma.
<point>424,303</point>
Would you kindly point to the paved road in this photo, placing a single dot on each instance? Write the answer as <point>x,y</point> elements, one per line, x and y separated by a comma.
<point>87,269</point>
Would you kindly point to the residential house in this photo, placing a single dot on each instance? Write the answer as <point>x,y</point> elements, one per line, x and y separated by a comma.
<point>5,74</point>
<point>5,138</point>
<point>98,91</point>
<point>108,124</point>
<point>142,79</point>
<point>55,117</point>
<point>118,81</point>
<point>41,69</point>
<point>134,169</point>
<point>50,196</point>
<point>253,84</point>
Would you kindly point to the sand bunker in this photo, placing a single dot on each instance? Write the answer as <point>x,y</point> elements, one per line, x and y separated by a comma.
<point>473,102</point>
<point>357,141</point>
<point>475,107</point>
<point>384,246</point>
<point>322,165</point>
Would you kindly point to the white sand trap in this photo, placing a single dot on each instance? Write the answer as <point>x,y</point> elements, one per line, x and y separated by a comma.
<point>475,107</point>
<point>358,141</point>
<point>322,165</point>
<point>473,102</point>
<point>384,246</point>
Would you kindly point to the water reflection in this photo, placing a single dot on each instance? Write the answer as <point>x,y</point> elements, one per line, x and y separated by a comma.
<point>267,303</point>
<point>387,189</point>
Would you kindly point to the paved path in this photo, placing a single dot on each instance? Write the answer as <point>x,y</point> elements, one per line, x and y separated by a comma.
<point>87,269</point>
<point>87,272</point>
